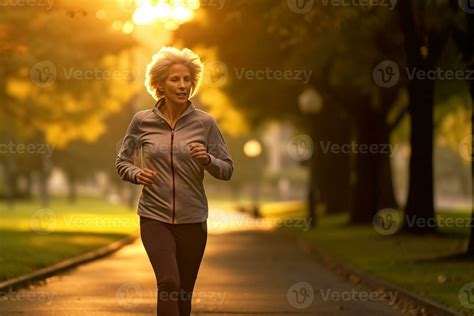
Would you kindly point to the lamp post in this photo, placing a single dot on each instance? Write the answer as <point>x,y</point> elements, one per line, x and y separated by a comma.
<point>310,104</point>
<point>252,149</point>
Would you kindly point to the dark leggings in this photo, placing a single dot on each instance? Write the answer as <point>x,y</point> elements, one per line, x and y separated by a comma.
<point>175,252</point>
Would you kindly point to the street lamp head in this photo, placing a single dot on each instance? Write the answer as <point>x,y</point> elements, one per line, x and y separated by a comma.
<point>310,101</point>
<point>252,148</point>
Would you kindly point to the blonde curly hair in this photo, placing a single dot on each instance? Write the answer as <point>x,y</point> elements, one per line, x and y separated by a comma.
<point>157,69</point>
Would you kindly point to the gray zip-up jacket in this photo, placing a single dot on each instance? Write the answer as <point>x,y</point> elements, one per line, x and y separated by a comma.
<point>177,196</point>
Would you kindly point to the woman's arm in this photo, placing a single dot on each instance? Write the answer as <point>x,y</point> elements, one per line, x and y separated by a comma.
<point>220,165</point>
<point>124,161</point>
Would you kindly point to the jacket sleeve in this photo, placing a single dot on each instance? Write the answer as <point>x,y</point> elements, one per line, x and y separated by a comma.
<point>131,144</point>
<point>221,165</point>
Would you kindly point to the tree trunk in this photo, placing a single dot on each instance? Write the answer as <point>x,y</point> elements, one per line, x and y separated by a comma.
<point>72,186</point>
<point>470,248</point>
<point>313,189</point>
<point>332,174</point>
<point>420,204</point>
<point>11,179</point>
<point>44,173</point>
<point>313,193</point>
<point>465,42</point>
<point>29,186</point>
<point>386,195</point>
<point>373,189</point>
<point>468,49</point>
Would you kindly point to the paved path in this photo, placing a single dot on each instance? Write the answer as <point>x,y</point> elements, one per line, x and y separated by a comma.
<point>247,270</point>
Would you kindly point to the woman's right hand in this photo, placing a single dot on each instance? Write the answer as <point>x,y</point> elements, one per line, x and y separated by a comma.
<point>146,176</point>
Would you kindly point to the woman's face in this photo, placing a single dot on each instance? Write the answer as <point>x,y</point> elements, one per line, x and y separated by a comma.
<point>177,85</point>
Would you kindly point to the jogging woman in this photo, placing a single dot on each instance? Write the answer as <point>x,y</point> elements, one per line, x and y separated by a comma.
<point>177,143</point>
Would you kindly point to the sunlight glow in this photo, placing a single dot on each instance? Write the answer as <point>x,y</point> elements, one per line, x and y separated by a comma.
<point>128,27</point>
<point>252,148</point>
<point>181,13</point>
<point>117,25</point>
<point>171,13</point>
<point>145,14</point>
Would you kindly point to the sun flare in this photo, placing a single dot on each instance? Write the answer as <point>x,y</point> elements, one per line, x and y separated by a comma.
<point>169,12</point>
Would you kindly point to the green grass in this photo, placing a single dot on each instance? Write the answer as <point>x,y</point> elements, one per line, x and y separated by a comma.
<point>33,237</point>
<point>409,261</point>
<point>454,221</point>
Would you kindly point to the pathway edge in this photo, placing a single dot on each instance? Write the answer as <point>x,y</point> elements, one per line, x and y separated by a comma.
<point>64,265</point>
<point>370,281</point>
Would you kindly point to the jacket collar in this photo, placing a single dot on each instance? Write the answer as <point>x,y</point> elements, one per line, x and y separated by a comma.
<point>157,109</point>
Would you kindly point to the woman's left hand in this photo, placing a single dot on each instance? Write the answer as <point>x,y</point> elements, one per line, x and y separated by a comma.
<point>199,152</point>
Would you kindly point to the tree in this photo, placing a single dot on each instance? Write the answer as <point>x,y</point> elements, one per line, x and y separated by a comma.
<point>426,40</point>
<point>42,96</point>
<point>313,42</point>
<point>464,38</point>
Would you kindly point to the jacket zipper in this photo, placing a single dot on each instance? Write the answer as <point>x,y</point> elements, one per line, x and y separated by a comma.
<point>172,172</point>
<point>172,166</point>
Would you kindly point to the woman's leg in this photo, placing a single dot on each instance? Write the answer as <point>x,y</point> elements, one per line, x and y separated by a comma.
<point>190,244</point>
<point>160,246</point>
